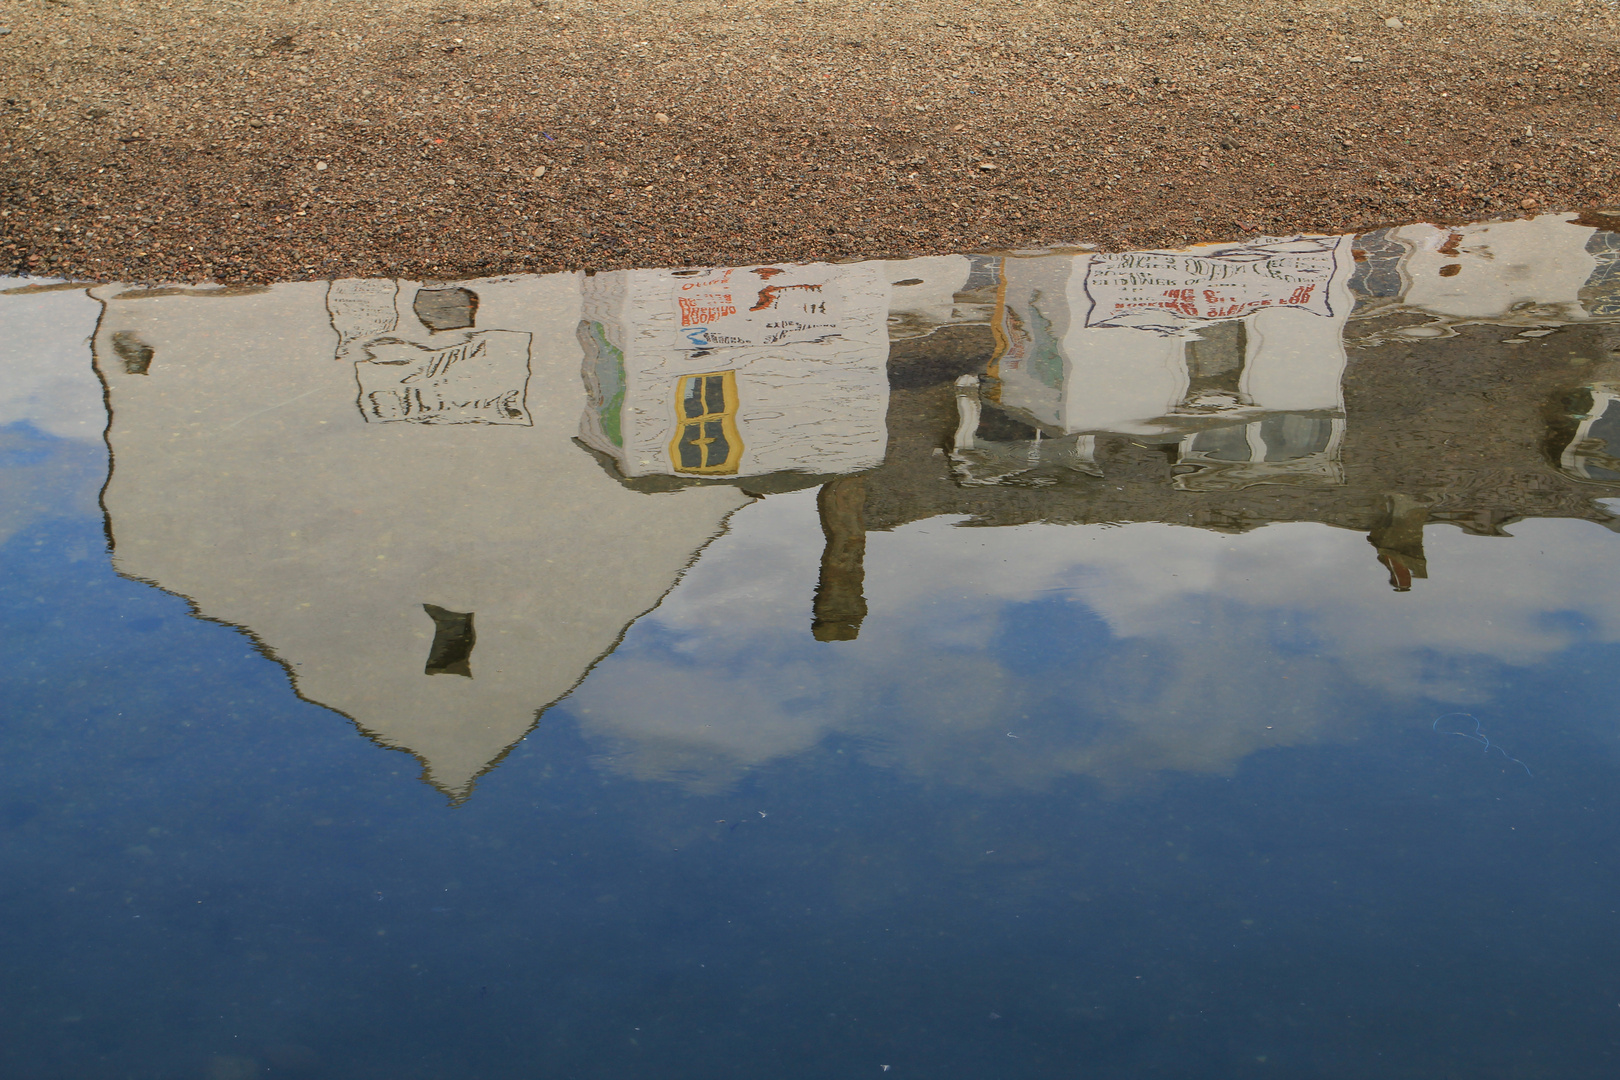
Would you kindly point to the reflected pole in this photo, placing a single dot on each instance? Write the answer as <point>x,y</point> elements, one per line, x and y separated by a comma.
<point>1399,541</point>
<point>840,602</point>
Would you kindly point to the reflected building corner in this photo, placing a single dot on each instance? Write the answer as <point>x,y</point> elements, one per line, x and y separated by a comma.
<point>1583,427</point>
<point>744,375</point>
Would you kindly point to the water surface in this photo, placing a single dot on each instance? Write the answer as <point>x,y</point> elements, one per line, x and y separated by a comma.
<point>1184,664</point>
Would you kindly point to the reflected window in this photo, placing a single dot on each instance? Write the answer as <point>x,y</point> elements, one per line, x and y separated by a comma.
<point>446,309</point>
<point>706,434</point>
<point>984,277</point>
<point>453,640</point>
<point>1600,296</point>
<point>1378,256</point>
<point>1215,365</point>
<point>1280,448</point>
<point>1291,437</point>
<point>1224,444</point>
<point>1276,439</point>
<point>135,354</point>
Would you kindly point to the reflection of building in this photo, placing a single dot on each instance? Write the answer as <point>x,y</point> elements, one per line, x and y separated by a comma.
<point>737,372</point>
<point>1465,429</point>
<point>770,377</point>
<point>1530,272</point>
<point>1194,345</point>
<point>924,293</point>
<point>380,481</point>
<point>1113,397</point>
<point>1586,434</point>
<point>406,525</point>
<point>1129,342</point>
<point>1494,270</point>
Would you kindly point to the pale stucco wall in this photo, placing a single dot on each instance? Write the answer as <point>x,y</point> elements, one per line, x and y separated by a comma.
<point>246,479</point>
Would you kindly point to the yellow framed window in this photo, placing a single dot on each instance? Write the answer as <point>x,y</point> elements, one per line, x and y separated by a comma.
<point>706,424</point>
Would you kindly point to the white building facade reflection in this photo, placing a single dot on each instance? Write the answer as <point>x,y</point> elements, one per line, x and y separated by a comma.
<point>439,504</point>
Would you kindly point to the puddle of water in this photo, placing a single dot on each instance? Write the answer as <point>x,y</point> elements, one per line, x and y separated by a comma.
<point>1190,663</point>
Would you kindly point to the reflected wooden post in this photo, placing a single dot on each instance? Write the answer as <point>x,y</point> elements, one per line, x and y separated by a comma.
<point>840,603</point>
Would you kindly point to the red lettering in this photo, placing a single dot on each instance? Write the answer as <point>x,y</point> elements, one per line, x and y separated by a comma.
<point>701,313</point>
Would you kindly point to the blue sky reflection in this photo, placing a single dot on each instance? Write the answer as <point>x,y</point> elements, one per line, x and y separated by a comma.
<point>1039,651</point>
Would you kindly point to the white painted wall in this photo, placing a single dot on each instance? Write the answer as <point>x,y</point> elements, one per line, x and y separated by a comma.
<point>1541,261</point>
<point>246,479</point>
<point>811,366</point>
<point>932,301</point>
<point>1127,378</point>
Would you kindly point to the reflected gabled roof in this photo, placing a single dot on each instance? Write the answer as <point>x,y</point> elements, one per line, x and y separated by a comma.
<point>248,478</point>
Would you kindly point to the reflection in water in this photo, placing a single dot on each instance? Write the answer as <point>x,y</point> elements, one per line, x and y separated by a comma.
<point>356,472</point>
<point>1589,424</point>
<point>1093,650</point>
<point>840,601</point>
<point>959,664</point>
<point>742,372</point>
<point>362,544</point>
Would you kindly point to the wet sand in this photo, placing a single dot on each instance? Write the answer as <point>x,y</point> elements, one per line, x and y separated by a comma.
<point>248,142</point>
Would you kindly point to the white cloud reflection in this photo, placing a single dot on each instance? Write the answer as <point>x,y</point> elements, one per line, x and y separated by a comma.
<point>45,374</point>
<point>1111,652</point>
<point>47,387</point>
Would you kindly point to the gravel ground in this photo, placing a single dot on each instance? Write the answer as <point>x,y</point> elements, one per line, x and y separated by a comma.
<point>240,141</point>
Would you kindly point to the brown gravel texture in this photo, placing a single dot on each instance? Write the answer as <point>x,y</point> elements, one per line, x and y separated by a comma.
<point>238,141</point>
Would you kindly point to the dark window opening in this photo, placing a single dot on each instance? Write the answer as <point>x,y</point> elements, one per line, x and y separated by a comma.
<point>1224,443</point>
<point>135,353</point>
<point>1215,364</point>
<point>453,640</point>
<point>446,309</point>
<point>1289,437</point>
